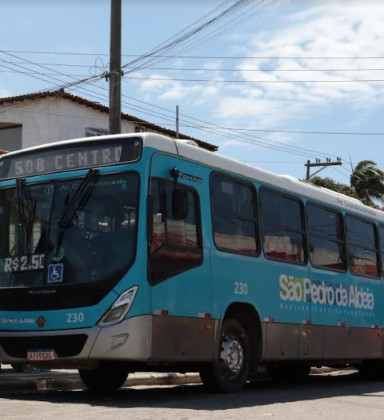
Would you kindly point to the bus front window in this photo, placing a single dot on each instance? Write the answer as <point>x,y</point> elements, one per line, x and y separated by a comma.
<point>49,243</point>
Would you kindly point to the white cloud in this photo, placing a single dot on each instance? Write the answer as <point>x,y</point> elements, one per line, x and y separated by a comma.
<point>306,43</point>
<point>339,29</point>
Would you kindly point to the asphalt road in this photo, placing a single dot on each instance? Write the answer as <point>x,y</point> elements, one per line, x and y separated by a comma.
<point>336,395</point>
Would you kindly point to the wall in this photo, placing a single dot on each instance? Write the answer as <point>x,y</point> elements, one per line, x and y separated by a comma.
<point>54,119</point>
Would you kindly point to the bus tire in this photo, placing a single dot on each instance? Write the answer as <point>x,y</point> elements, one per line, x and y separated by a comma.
<point>229,371</point>
<point>109,376</point>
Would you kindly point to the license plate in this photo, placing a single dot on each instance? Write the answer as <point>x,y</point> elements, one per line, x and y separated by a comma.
<point>41,355</point>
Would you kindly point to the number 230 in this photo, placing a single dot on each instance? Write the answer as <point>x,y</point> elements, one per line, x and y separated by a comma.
<point>241,288</point>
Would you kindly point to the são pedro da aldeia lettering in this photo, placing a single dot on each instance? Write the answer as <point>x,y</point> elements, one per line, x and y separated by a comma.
<point>297,289</point>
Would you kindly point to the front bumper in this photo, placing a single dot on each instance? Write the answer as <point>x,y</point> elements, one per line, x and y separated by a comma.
<point>129,340</point>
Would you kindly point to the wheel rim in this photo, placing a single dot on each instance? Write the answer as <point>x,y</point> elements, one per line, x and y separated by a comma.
<point>232,356</point>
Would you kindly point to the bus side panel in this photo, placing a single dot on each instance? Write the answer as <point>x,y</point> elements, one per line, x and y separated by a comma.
<point>350,309</point>
<point>178,339</point>
<point>270,287</point>
<point>345,342</point>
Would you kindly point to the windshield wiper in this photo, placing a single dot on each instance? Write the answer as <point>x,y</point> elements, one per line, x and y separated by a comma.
<point>78,199</point>
<point>72,204</point>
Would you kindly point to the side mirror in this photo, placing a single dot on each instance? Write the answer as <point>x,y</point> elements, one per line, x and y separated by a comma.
<point>179,204</point>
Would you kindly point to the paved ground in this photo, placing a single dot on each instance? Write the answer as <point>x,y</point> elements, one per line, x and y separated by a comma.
<point>69,379</point>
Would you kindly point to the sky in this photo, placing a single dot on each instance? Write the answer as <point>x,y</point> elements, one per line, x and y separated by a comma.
<point>274,84</point>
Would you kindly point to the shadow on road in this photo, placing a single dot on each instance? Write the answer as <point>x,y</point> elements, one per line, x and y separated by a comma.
<point>194,397</point>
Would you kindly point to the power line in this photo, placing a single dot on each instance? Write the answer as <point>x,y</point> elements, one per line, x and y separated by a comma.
<point>335,133</point>
<point>179,42</point>
<point>233,57</point>
<point>215,129</point>
<point>255,140</point>
<point>207,69</point>
<point>63,84</point>
<point>86,78</point>
<point>254,81</point>
<point>268,70</point>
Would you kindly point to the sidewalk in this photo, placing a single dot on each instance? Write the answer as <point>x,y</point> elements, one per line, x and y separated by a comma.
<point>69,379</point>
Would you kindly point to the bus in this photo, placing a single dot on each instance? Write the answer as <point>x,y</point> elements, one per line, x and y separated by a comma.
<point>139,252</point>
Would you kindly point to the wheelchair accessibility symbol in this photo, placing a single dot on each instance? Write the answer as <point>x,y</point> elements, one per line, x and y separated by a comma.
<point>55,273</point>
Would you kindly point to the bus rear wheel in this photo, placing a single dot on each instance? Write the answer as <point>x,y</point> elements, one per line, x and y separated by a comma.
<point>229,371</point>
<point>109,376</point>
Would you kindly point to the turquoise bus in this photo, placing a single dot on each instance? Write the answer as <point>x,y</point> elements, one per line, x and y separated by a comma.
<point>139,252</point>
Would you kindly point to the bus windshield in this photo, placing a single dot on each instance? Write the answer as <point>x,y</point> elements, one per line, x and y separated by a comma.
<point>68,231</point>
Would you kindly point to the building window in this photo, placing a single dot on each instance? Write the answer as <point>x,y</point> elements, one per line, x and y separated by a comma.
<point>92,131</point>
<point>140,129</point>
<point>10,137</point>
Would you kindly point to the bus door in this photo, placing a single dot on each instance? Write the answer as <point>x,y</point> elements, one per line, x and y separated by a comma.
<point>178,268</point>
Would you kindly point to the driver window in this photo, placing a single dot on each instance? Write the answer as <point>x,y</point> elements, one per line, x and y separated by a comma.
<point>175,246</point>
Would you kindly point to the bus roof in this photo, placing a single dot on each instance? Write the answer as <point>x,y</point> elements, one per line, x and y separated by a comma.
<point>202,156</point>
<point>283,182</point>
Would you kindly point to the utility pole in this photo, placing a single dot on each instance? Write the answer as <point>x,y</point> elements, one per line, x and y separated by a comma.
<point>177,121</point>
<point>115,72</point>
<point>323,165</point>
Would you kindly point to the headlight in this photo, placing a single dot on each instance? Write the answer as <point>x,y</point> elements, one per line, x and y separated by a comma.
<point>120,308</point>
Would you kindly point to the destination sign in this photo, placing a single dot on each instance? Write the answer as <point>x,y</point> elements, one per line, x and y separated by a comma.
<point>69,157</point>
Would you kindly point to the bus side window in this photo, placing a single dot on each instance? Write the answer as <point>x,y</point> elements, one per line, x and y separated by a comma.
<point>362,243</point>
<point>381,236</point>
<point>167,228</point>
<point>234,215</point>
<point>326,238</point>
<point>283,232</point>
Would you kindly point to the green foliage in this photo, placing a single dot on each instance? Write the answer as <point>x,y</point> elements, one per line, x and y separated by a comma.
<point>367,183</point>
<point>334,186</point>
<point>367,180</point>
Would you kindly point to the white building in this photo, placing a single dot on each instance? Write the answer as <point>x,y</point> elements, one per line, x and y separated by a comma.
<point>39,118</point>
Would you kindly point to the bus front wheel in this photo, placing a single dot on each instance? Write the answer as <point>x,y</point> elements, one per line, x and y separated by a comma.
<point>229,371</point>
<point>109,376</point>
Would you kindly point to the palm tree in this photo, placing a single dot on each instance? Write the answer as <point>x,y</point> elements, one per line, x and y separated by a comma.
<point>368,182</point>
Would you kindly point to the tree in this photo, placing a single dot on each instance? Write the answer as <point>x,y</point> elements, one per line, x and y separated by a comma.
<point>368,182</point>
<point>334,186</point>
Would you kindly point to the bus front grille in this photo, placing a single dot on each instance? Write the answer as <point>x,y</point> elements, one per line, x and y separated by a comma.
<point>63,345</point>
